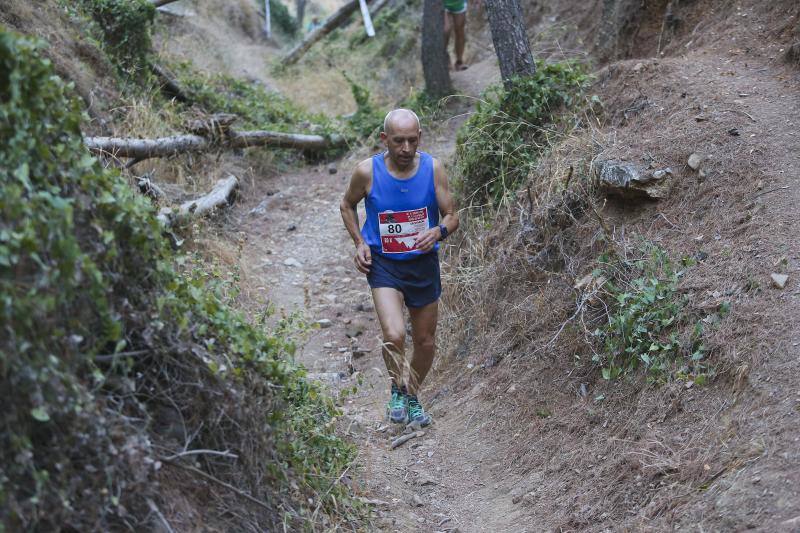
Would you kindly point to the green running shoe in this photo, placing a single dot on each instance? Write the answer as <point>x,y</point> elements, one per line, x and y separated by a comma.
<point>397,410</point>
<point>416,413</point>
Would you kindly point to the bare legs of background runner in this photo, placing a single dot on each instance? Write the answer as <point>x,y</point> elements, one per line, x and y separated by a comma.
<point>456,23</point>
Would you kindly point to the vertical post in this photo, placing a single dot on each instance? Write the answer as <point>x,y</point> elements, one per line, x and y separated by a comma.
<point>367,18</point>
<point>267,20</point>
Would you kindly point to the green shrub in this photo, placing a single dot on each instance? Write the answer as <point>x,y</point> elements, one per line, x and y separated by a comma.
<point>280,17</point>
<point>502,140</point>
<point>103,327</point>
<point>366,120</point>
<point>123,26</point>
<point>647,319</point>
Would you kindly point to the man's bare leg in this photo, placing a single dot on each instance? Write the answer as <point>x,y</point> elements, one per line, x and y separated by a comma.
<point>389,306</point>
<point>423,331</point>
<point>459,27</point>
<point>448,29</point>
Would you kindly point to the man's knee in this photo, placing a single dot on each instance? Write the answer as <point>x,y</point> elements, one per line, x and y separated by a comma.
<point>394,340</point>
<point>425,342</point>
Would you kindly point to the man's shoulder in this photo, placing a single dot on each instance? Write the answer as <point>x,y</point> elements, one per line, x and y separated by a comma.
<point>364,169</point>
<point>436,162</point>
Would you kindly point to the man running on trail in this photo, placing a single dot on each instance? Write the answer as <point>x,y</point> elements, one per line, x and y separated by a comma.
<point>405,192</point>
<point>455,21</point>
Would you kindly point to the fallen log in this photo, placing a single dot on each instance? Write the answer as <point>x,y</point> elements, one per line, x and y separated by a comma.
<point>169,85</point>
<point>331,23</point>
<point>300,141</point>
<point>146,148</point>
<point>141,149</point>
<point>220,196</point>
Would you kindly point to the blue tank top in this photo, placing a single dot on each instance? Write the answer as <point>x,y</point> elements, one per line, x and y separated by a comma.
<point>399,209</point>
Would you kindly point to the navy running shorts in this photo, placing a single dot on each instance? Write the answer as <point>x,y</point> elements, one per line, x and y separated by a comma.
<point>418,278</point>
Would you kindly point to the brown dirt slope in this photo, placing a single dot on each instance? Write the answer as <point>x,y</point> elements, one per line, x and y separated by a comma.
<point>721,457</point>
<point>75,57</point>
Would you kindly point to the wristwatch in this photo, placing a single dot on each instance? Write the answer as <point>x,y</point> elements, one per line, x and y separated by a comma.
<point>443,229</point>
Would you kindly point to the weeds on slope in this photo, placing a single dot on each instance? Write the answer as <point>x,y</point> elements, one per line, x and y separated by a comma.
<point>511,128</point>
<point>119,359</point>
<point>533,227</point>
<point>646,318</point>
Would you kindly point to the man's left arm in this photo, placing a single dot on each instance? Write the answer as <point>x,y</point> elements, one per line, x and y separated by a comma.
<point>447,210</point>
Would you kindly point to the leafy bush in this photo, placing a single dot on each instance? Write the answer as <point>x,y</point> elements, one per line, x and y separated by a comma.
<point>501,142</point>
<point>104,328</point>
<point>366,120</point>
<point>124,28</point>
<point>646,315</point>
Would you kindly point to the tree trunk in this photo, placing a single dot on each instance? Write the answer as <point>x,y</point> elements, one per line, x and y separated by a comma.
<point>220,196</point>
<point>331,23</point>
<point>140,149</point>
<point>300,7</point>
<point>509,38</point>
<point>435,65</point>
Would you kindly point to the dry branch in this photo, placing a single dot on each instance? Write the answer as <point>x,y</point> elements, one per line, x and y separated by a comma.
<point>331,23</point>
<point>159,3</point>
<point>149,188</point>
<point>402,439</point>
<point>218,481</point>
<point>169,85</point>
<point>141,149</point>
<point>154,508</point>
<point>220,196</point>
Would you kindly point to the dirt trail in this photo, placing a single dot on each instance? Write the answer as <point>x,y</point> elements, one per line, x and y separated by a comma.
<point>300,253</point>
<point>460,470</point>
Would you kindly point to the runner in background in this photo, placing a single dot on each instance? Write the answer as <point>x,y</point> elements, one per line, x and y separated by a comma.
<point>313,24</point>
<point>455,21</point>
<point>409,209</point>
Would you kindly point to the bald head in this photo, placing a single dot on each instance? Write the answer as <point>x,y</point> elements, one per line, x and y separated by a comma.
<point>399,120</point>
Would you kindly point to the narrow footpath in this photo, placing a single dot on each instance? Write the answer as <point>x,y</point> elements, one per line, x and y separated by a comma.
<point>300,252</point>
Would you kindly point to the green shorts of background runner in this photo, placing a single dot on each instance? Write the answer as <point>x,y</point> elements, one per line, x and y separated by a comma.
<point>455,6</point>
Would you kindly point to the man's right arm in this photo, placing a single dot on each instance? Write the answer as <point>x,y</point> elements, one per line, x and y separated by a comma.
<point>357,191</point>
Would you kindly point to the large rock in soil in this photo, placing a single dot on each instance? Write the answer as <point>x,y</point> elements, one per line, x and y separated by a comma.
<point>628,181</point>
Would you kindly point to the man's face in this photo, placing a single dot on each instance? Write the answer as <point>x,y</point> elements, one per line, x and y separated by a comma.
<point>401,140</point>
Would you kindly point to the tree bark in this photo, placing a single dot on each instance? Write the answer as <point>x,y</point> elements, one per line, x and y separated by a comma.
<point>331,23</point>
<point>510,40</point>
<point>220,196</point>
<point>435,64</point>
<point>141,149</point>
<point>300,6</point>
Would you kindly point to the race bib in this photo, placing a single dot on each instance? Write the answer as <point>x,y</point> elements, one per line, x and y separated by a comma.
<point>399,229</point>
